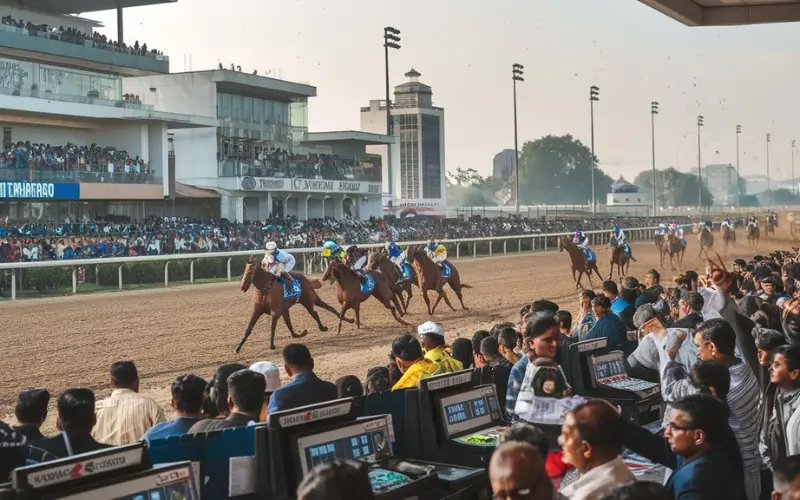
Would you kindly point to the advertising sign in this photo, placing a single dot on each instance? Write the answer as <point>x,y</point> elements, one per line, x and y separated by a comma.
<point>300,185</point>
<point>428,206</point>
<point>40,190</point>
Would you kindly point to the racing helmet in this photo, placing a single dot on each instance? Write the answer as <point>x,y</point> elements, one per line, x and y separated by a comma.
<point>272,247</point>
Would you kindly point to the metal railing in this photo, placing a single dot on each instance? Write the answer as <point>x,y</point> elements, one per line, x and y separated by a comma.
<point>97,175</point>
<point>308,263</point>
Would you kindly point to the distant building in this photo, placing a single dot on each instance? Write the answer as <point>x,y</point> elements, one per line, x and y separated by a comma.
<point>503,164</point>
<point>627,199</point>
<point>722,183</point>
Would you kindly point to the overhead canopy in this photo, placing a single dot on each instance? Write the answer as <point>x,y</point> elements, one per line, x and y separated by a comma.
<point>79,6</point>
<point>728,12</point>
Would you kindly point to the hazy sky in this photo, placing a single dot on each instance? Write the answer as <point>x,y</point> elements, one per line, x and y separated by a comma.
<point>464,50</point>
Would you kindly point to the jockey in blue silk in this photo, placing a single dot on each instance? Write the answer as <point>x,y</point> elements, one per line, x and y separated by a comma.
<point>580,238</point>
<point>662,229</point>
<point>619,234</point>
<point>397,257</point>
<point>278,262</point>
<point>727,222</point>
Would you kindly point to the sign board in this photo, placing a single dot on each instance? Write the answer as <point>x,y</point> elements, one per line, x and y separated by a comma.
<point>427,206</point>
<point>40,191</point>
<point>300,185</point>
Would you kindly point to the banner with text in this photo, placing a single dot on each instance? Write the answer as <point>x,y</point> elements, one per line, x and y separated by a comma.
<point>300,185</point>
<point>40,190</point>
<point>427,206</point>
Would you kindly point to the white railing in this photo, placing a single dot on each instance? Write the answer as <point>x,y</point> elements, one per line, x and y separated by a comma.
<point>538,243</point>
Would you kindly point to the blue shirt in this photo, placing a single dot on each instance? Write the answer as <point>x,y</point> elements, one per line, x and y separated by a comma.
<point>514,385</point>
<point>610,326</point>
<point>176,427</point>
<point>619,305</point>
<point>305,389</point>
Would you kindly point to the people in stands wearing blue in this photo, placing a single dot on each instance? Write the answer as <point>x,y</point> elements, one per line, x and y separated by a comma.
<point>618,304</point>
<point>305,388</point>
<point>245,399</point>
<point>76,418</point>
<point>187,401</point>
<point>608,324</point>
<point>700,448</point>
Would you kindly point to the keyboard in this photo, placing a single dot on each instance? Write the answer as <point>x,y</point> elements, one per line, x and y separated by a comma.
<point>631,384</point>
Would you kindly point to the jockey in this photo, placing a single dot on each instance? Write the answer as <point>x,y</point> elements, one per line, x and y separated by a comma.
<point>662,229</point>
<point>278,262</point>
<point>397,257</point>
<point>350,253</point>
<point>436,252</point>
<point>751,221</point>
<point>619,234</point>
<point>580,238</point>
<point>332,250</point>
<point>726,223</point>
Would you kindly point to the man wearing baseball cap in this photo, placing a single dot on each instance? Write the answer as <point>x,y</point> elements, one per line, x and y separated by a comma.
<point>431,337</point>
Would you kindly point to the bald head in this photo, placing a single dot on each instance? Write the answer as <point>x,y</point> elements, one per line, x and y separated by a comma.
<point>517,466</point>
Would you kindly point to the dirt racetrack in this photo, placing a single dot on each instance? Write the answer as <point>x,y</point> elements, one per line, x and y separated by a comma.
<point>63,342</point>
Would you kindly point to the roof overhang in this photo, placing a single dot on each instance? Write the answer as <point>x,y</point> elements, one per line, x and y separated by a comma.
<point>352,136</point>
<point>248,84</point>
<point>79,6</point>
<point>728,12</point>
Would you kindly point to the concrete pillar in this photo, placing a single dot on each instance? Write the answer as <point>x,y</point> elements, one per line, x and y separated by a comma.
<point>338,211</point>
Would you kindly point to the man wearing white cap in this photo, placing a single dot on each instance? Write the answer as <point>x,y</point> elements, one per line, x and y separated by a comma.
<point>278,262</point>
<point>431,337</point>
<point>273,375</point>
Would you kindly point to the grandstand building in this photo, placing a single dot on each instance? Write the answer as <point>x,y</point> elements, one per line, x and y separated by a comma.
<point>260,157</point>
<point>76,145</point>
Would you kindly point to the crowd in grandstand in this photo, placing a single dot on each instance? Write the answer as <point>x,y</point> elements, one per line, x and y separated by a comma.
<point>157,236</point>
<point>73,35</point>
<point>726,353</point>
<point>107,163</point>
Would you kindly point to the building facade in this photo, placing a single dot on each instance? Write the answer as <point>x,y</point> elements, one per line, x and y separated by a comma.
<point>418,154</point>
<point>503,165</point>
<point>76,145</point>
<point>722,182</point>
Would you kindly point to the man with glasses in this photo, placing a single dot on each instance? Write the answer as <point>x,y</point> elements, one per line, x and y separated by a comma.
<point>517,472</point>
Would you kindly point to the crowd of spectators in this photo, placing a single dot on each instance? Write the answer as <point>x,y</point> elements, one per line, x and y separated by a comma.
<point>75,36</point>
<point>157,236</point>
<point>724,346</point>
<point>93,163</point>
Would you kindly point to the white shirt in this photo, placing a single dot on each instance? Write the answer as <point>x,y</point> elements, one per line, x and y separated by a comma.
<point>599,481</point>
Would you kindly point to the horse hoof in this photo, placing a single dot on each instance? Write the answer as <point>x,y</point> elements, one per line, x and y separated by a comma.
<point>237,350</point>
<point>272,347</point>
<point>300,335</point>
<point>466,308</point>
<point>323,328</point>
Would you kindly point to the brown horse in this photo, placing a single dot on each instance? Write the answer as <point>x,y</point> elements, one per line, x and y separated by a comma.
<point>269,299</point>
<point>706,240</point>
<point>429,277</point>
<point>350,294</point>
<point>577,262</point>
<point>753,235</point>
<point>771,224</point>
<point>378,261</point>
<point>672,247</point>
<point>621,260</point>
<point>659,240</point>
<point>728,236</point>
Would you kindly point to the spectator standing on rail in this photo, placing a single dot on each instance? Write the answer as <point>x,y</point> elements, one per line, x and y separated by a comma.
<point>305,388</point>
<point>126,415</point>
<point>187,401</point>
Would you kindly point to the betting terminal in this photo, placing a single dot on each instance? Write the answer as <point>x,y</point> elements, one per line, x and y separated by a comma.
<point>303,438</point>
<point>121,473</point>
<point>467,421</point>
<point>599,373</point>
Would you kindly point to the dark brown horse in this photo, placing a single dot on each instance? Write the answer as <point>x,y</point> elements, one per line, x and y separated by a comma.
<point>269,299</point>
<point>621,260</point>
<point>350,295</point>
<point>771,224</point>
<point>429,277</point>
<point>728,236</point>
<point>706,240</point>
<point>673,246</point>
<point>378,261</point>
<point>659,240</point>
<point>753,234</point>
<point>577,262</point>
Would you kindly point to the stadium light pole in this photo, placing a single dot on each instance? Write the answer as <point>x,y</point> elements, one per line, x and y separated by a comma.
<point>699,167</point>
<point>769,188</point>
<point>653,113</point>
<point>516,76</point>
<point>594,95</point>
<point>794,146</point>
<point>391,40</point>
<point>738,177</point>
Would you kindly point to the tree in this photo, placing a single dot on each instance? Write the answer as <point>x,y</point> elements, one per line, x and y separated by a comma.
<point>467,188</point>
<point>780,196</point>
<point>557,170</point>
<point>749,200</point>
<point>673,188</point>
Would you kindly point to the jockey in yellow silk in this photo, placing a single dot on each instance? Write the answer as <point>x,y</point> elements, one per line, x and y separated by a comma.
<point>436,252</point>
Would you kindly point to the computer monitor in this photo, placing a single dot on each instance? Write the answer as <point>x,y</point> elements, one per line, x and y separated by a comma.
<point>366,440</point>
<point>167,482</point>
<point>469,410</point>
<point>579,352</point>
<point>608,367</point>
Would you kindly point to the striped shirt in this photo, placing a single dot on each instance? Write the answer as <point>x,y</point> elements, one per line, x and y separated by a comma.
<point>744,401</point>
<point>124,417</point>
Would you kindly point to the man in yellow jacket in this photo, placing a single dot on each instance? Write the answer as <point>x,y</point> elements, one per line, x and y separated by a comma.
<point>408,355</point>
<point>431,336</point>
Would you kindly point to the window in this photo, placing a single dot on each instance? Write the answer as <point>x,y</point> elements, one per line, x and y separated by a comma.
<point>431,158</point>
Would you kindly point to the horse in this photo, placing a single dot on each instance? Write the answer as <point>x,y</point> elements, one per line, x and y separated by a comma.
<point>276,301</point>
<point>753,234</point>
<point>378,261</point>
<point>706,240</point>
<point>728,236</point>
<point>351,291</point>
<point>432,277</point>
<point>771,224</point>
<point>658,239</point>
<point>673,246</point>
<point>578,261</point>
<point>619,258</point>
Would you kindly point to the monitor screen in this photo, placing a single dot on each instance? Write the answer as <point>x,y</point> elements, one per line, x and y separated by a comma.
<point>470,410</point>
<point>609,366</point>
<point>161,483</point>
<point>367,441</point>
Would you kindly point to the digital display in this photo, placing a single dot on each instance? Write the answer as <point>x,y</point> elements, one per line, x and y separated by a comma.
<point>470,410</point>
<point>609,366</point>
<point>159,484</point>
<point>366,442</point>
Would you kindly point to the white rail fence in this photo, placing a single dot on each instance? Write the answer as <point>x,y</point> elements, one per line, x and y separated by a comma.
<point>308,258</point>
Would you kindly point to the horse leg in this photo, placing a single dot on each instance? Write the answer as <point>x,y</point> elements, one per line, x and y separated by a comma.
<point>288,320</point>
<point>257,312</point>
<point>442,295</point>
<point>345,307</point>
<point>576,280</point>
<point>357,309</point>
<point>387,302</point>
<point>456,287</point>
<point>410,291</point>
<point>427,300</point>
<point>275,318</point>
<point>321,303</point>
<point>314,314</point>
